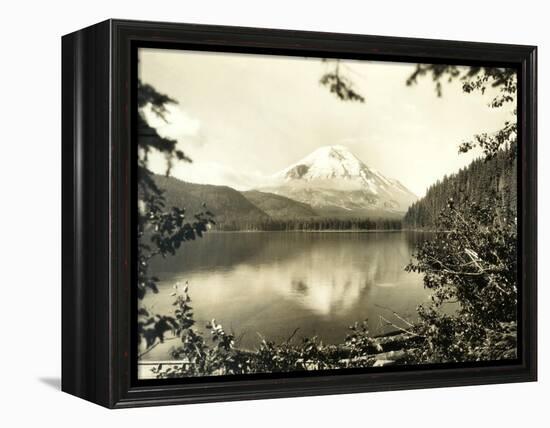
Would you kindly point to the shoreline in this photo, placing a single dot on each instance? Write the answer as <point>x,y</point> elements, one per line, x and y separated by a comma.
<point>392,350</point>
<point>324,231</point>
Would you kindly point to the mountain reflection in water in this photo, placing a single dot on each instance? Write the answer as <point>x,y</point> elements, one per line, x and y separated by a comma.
<point>274,282</point>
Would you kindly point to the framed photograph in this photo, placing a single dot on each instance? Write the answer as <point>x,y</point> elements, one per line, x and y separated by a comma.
<point>253,213</point>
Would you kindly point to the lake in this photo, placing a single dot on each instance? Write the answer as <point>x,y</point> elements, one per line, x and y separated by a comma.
<point>270,283</point>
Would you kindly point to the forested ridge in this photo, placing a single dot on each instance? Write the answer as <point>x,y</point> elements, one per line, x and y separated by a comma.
<point>259,211</point>
<point>485,182</point>
<point>314,224</point>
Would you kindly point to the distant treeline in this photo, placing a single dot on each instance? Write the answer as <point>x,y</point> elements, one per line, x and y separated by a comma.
<point>313,224</point>
<point>489,182</point>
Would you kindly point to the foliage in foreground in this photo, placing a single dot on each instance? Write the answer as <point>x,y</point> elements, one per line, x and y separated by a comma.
<point>470,265</point>
<point>217,355</point>
<point>472,262</point>
<point>161,230</point>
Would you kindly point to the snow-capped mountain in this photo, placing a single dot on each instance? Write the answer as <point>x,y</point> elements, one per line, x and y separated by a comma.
<point>333,177</point>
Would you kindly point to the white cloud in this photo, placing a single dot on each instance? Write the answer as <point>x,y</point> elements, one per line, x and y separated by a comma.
<point>218,174</point>
<point>176,125</point>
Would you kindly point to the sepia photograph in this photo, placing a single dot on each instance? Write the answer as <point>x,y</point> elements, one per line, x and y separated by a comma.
<point>311,214</point>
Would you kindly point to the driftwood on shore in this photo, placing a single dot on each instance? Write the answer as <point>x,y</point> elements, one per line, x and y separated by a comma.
<point>391,349</point>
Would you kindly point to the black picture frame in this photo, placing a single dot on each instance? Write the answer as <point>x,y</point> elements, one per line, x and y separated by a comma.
<point>98,243</point>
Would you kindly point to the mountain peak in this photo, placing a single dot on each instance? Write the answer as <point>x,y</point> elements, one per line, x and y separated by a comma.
<point>332,149</point>
<point>335,151</point>
<point>325,163</point>
<point>335,169</point>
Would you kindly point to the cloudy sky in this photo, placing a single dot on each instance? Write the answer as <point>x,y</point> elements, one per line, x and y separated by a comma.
<point>243,117</point>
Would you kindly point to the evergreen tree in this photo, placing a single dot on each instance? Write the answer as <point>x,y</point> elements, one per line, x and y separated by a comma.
<point>161,229</point>
<point>486,181</point>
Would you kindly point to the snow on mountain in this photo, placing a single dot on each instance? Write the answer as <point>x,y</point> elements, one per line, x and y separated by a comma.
<point>332,176</point>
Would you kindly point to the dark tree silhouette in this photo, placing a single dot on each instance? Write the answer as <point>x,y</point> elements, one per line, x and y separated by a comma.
<point>340,85</point>
<point>473,79</point>
<point>471,262</point>
<point>161,229</point>
<point>478,79</point>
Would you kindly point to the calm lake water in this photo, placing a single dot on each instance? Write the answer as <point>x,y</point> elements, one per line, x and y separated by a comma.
<point>274,282</point>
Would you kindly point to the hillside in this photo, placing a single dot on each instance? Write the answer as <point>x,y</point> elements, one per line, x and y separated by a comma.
<point>485,182</point>
<point>227,204</point>
<point>255,210</point>
<point>279,207</point>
